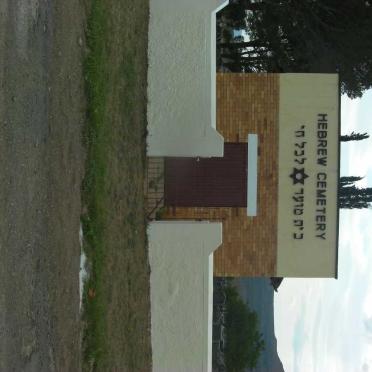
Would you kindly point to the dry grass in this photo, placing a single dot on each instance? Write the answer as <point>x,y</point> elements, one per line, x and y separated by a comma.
<point>116,299</point>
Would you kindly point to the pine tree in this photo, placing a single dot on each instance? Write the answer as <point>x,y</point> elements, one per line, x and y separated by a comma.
<point>354,137</point>
<point>353,197</point>
<point>350,180</point>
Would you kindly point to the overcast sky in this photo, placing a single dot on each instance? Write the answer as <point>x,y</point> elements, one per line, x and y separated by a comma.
<point>326,325</point>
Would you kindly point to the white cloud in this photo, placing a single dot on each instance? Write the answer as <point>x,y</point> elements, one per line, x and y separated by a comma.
<point>360,163</point>
<point>367,359</point>
<point>356,245</point>
<point>368,325</point>
<point>349,114</point>
<point>367,309</point>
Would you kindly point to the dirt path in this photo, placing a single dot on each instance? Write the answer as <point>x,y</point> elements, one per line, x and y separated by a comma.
<point>42,111</point>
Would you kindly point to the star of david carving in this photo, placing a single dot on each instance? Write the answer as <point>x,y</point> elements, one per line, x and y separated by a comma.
<point>298,176</point>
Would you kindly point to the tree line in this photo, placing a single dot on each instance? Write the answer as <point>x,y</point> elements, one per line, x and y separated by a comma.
<point>317,36</point>
<point>244,342</point>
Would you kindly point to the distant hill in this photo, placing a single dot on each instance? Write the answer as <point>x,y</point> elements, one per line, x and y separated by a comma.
<point>259,295</point>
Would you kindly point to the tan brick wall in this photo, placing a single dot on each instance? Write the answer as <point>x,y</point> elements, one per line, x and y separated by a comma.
<point>246,103</point>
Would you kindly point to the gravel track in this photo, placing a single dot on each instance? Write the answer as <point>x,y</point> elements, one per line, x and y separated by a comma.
<point>42,112</point>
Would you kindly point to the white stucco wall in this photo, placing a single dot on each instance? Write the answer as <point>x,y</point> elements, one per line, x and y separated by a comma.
<point>181,263</point>
<point>182,78</point>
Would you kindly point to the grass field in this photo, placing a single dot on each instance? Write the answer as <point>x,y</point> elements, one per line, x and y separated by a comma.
<point>116,296</point>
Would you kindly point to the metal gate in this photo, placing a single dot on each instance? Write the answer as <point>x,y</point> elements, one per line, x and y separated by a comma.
<point>208,182</point>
